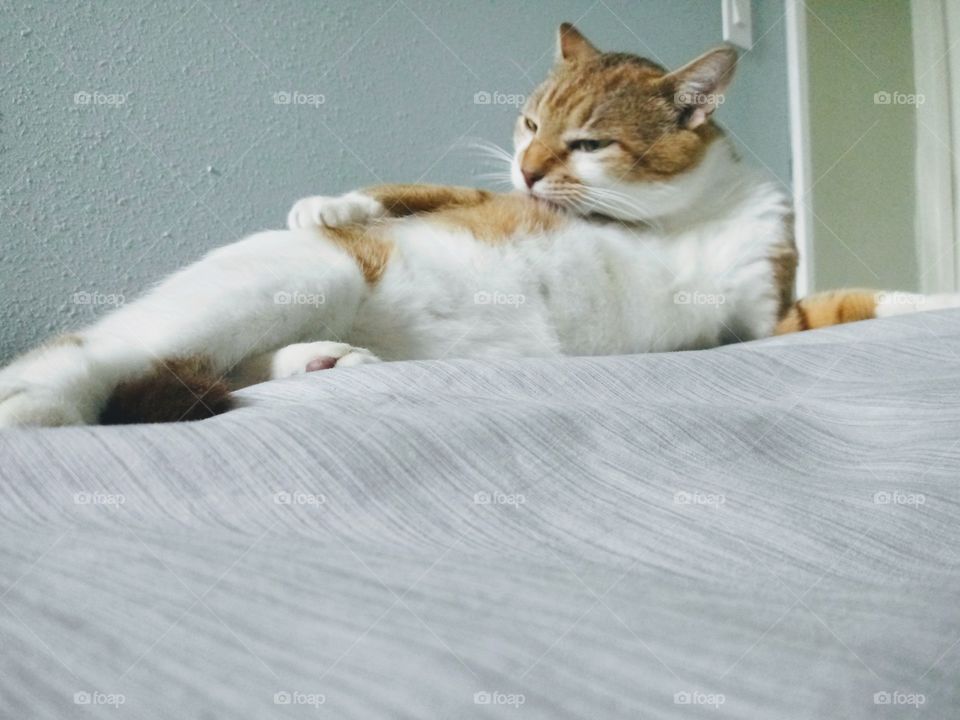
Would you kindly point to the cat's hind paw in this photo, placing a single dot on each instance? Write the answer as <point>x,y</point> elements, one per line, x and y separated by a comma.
<point>334,212</point>
<point>302,358</point>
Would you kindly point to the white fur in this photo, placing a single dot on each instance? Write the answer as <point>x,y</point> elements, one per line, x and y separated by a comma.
<point>521,141</point>
<point>589,288</point>
<point>254,296</point>
<point>703,191</point>
<point>689,280</point>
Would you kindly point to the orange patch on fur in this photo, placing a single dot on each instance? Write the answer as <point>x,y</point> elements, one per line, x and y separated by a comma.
<point>368,246</point>
<point>784,261</point>
<point>402,200</point>
<point>502,217</point>
<point>829,308</point>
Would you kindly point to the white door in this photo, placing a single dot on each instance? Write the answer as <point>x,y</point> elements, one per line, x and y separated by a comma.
<point>936,33</point>
<point>875,113</point>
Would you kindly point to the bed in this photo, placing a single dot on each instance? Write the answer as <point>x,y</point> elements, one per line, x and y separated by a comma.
<point>765,531</point>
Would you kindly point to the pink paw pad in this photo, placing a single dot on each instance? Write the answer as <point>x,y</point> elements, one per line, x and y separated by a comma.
<point>323,362</point>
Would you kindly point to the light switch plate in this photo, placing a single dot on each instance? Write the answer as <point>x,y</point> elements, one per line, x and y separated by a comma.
<point>738,23</point>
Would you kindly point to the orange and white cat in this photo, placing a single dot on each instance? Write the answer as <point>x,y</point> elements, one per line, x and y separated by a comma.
<point>634,229</point>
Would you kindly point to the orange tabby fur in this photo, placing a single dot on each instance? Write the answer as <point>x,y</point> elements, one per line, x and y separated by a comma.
<point>829,308</point>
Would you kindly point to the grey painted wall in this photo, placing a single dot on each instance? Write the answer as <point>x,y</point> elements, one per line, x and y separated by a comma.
<point>103,197</point>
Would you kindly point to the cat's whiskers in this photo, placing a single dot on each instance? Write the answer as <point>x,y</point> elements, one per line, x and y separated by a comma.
<point>559,192</point>
<point>619,203</point>
<point>600,207</point>
<point>497,178</point>
<point>581,199</point>
<point>492,151</point>
<point>491,154</point>
<point>615,195</point>
<point>613,206</point>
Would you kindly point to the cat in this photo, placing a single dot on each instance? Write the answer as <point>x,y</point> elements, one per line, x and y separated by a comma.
<point>633,228</point>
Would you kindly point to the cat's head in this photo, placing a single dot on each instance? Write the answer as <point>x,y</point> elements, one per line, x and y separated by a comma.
<point>616,134</point>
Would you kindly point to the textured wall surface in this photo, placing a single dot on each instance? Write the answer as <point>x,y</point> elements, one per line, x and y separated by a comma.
<point>135,136</point>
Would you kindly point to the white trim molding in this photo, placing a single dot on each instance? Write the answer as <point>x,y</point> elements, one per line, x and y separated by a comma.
<point>802,173</point>
<point>936,24</point>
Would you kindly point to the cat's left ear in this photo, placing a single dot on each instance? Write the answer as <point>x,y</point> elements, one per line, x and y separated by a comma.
<point>697,88</point>
<point>572,45</point>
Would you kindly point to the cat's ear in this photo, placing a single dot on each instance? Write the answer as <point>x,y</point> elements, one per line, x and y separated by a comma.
<point>572,45</point>
<point>697,88</point>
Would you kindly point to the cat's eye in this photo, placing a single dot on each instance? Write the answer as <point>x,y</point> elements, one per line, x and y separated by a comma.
<point>530,124</point>
<point>589,145</point>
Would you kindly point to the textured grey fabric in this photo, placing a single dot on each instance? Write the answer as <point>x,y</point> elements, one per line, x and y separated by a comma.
<point>770,528</point>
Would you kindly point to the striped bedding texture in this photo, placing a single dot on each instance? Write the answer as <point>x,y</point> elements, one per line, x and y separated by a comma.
<point>766,531</point>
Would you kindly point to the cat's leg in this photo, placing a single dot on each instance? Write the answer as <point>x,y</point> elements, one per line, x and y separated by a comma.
<point>380,201</point>
<point>299,359</point>
<point>265,292</point>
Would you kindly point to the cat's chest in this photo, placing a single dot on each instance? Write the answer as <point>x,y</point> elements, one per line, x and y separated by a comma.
<point>715,256</point>
<point>710,256</point>
<point>662,290</point>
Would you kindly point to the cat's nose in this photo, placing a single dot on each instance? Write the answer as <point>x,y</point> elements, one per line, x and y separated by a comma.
<point>530,177</point>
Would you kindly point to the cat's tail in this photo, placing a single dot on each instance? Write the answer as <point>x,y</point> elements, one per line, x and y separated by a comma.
<point>171,391</point>
<point>842,306</point>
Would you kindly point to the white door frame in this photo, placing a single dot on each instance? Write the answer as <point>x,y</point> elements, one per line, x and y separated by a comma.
<point>936,24</point>
<point>801,165</point>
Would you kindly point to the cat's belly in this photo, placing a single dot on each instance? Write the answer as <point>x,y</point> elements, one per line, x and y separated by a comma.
<point>584,289</point>
<point>446,294</point>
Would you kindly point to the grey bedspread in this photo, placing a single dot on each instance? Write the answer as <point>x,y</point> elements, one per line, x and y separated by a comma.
<point>766,531</point>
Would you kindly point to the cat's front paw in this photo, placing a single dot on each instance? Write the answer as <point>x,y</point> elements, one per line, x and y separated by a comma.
<point>333,212</point>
